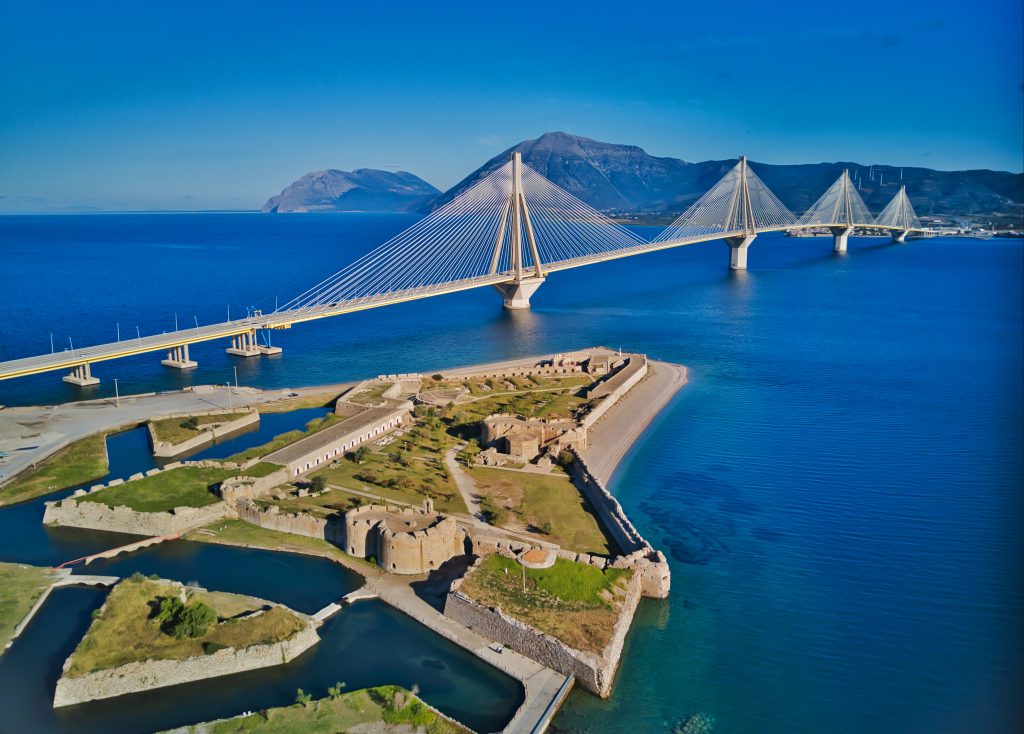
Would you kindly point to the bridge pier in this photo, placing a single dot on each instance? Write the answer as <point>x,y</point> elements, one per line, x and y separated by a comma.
<point>839,237</point>
<point>244,344</point>
<point>738,250</point>
<point>81,376</point>
<point>900,236</point>
<point>516,294</point>
<point>177,357</point>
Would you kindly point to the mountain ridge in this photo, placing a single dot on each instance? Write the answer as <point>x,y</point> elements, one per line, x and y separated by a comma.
<point>363,189</point>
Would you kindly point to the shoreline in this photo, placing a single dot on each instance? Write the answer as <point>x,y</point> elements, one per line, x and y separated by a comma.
<point>65,423</point>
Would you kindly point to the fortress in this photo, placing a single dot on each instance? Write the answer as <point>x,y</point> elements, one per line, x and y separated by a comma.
<point>403,541</point>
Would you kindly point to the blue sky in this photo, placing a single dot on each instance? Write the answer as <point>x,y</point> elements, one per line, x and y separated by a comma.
<point>219,105</point>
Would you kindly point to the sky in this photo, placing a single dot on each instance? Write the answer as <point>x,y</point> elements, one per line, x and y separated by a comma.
<point>219,105</point>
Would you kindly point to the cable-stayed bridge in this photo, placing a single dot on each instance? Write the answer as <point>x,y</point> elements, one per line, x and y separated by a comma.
<point>509,231</point>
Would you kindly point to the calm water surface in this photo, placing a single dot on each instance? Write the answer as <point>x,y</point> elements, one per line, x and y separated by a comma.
<point>838,489</point>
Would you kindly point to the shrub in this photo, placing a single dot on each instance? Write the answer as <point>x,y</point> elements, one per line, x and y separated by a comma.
<point>303,697</point>
<point>191,424</point>
<point>194,620</point>
<point>437,378</point>
<point>359,455</point>
<point>318,483</point>
<point>335,690</point>
<point>564,459</point>
<point>211,647</point>
<point>170,608</point>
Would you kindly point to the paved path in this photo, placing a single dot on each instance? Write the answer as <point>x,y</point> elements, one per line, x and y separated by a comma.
<point>544,687</point>
<point>465,483</point>
<point>621,426</point>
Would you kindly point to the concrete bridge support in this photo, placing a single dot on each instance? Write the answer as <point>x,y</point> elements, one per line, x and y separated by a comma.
<point>839,237</point>
<point>177,357</point>
<point>517,293</point>
<point>738,250</point>
<point>81,376</point>
<point>244,344</point>
<point>900,235</point>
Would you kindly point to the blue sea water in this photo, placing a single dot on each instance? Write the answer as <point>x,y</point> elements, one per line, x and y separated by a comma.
<point>838,488</point>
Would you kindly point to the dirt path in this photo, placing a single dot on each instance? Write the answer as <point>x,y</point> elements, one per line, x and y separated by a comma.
<point>465,483</point>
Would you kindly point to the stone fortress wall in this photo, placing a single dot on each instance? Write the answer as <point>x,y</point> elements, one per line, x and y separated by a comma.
<point>595,672</point>
<point>149,674</point>
<point>614,387</point>
<point>164,449</point>
<point>72,512</point>
<point>404,541</point>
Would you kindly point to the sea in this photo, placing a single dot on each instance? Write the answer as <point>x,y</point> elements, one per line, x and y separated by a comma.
<point>838,489</point>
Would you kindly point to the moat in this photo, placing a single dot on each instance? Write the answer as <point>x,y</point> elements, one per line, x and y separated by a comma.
<point>425,478</point>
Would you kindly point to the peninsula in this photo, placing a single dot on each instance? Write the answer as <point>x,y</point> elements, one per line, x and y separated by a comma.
<point>472,499</point>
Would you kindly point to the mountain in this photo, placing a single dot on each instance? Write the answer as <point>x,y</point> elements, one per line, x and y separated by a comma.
<point>364,189</point>
<point>625,181</point>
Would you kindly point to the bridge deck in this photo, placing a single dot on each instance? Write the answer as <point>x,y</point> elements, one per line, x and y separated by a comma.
<point>69,359</point>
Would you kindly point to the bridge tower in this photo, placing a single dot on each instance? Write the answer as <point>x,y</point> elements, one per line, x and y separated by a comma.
<point>899,216</point>
<point>841,233</point>
<point>739,217</point>
<point>840,209</point>
<point>515,222</point>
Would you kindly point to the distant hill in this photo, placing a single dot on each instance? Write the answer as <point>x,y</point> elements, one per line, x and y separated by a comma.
<point>364,189</point>
<point>626,181</point>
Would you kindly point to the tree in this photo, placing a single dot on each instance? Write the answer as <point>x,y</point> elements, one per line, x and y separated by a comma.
<point>359,455</point>
<point>335,690</point>
<point>194,620</point>
<point>170,608</point>
<point>437,378</point>
<point>318,483</point>
<point>303,697</point>
<point>564,459</point>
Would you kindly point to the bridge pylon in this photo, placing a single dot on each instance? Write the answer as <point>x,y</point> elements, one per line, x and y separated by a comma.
<point>900,216</point>
<point>840,209</point>
<point>515,223</point>
<point>735,209</point>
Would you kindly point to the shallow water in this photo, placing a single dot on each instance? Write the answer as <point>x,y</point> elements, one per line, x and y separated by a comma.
<point>838,489</point>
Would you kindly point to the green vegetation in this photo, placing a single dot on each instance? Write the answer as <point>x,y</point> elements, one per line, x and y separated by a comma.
<point>80,462</point>
<point>546,503</point>
<point>177,430</point>
<point>185,486</point>
<point>239,532</point>
<point>390,705</point>
<point>185,620</point>
<point>20,587</point>
<point>407,470</point>
<point>261,469</point>
<point>571,601</point>
<point>285,439</point>
<point>138,623</point>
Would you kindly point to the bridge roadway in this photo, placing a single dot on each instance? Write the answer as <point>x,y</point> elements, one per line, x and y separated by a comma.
<point>69,359</point>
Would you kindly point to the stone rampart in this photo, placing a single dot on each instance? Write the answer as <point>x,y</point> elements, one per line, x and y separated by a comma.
<point>299,524</point>
<point>165,449</point>
<point>417,550</point>
<point>616,386</point>
<point>150,674</point>
<point>595,672</point>
<point>70,512</point>
<point>241,487</point>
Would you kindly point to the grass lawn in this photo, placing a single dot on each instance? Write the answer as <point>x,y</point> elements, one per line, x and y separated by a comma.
<point>388,704</point>
<point>185,486</point>
<point>408,470</point>
<point>261,469</point>
<point>331,502</point>
<point>544,502</point>
<point>172,431</point>
<point>125,631</point>
<point>239,532</point>
<point>279,442</point>
<point>565,601</point>
<point>20,586</point>
<point>82,461</point>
